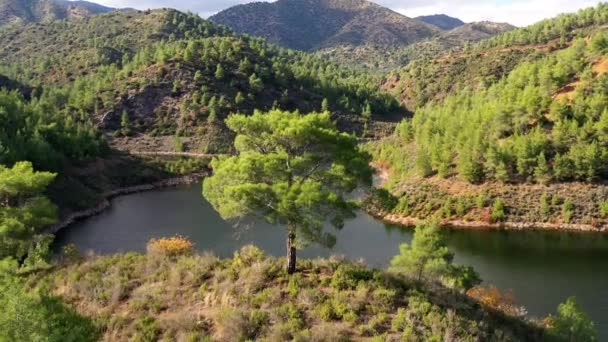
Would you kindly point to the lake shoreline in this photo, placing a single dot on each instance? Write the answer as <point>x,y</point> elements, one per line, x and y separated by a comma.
<point>108,196</point>
<point>409,221</point>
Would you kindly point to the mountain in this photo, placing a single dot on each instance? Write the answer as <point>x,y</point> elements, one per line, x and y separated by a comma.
<point>431,78</point>
<point>477,31</point>
<point>315,24</point>
<point>20,12</point>
<point>386,58</point>
<point>442,21</point>
<point>171,73</point>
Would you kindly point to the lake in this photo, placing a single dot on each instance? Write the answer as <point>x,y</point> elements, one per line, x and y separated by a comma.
<point>541,268</point>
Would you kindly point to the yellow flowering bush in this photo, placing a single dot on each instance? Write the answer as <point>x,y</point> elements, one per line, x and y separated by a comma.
<point>173,246</point>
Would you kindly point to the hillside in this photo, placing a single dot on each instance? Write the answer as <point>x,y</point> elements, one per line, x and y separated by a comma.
<point>383,58</point>
<point>474,32</point>
<point>176,74</point>
<point>442,21</point>
<point>250,297</point>
<point>315,24</point>
<point>486,62</point>
<point>21,12</point>
<point>523,144</point>
<point>59,52</point>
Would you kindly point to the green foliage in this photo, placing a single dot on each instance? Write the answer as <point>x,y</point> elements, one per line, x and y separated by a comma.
<point>40,132</point>
<point>521,128</point>
<point>498,213</point>
<point>219,72</point>
<point>24,209</point>
<point>38,317</point>
<point>380,200</point>
<point>347,277</point>
<point>155,297</point>
<point>125,128</point>
<point>567,211</point>
<point>571,323</point>
<point>604,209</point>
<point>167,51</point>
<point>290,168</point>
<point>426,257</point>
<point>147,330</point>
<point>545,208</point>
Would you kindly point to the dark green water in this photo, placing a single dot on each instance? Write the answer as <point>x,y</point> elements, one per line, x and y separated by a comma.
<point>542,268</point>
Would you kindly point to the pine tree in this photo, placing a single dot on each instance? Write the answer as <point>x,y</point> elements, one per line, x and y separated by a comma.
<point>125,127</point>
<point>219,72</point>
<point>325,105</point>
<point>239,99</point>
<point>542,174</point>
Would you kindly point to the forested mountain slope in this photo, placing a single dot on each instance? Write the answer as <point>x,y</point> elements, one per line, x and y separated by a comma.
<point>485,63</point>
<point>352,32</point>
<point>21,12</point>
<point>388,58</point>
<point>61,51</point>
<point>173,73</point>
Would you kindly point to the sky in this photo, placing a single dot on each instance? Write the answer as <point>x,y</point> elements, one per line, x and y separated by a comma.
<point>516,12</point>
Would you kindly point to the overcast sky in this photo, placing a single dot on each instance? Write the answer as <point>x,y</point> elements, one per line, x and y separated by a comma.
<point>517,12</point>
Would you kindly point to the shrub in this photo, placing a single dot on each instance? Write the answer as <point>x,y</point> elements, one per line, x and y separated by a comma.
<point>571,323</point>
<point>545,209</point>
<point>258,320</point>
<point>174,246</point>
<point>71,254</point>
<point>147,330</point>
<point>374,325</point>
<point>604,209</point>
<point>400,321</point>
<point>247,256</point>
<point>326,312</point>
<point>403,207</point>
<point>567,211</point>
<point>347,276</point>
<point>493,298</point>
<point>295,284</point>
<point>385,298</point>
<point>232,325</point>
<point>380,200</point>
<point>498,211</point>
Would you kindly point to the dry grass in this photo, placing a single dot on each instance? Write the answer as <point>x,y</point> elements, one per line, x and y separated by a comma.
<point>250,297</point>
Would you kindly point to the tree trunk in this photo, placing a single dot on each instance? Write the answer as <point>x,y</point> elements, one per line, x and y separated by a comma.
<point>291,250</point>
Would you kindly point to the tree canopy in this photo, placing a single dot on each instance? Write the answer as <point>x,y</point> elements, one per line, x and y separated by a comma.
<point>24,210</point>
<point>292,169</point>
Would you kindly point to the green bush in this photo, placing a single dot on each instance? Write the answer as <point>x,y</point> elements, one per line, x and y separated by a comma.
<point>147,330</point>
<point>347,276</point>
<point>498,211</point>
<point>567,211</point>
<point>604,209</point>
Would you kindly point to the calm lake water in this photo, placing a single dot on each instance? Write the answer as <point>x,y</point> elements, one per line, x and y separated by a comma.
<point>542,268</point>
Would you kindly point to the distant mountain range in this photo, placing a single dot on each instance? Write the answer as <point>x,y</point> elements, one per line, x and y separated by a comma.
<point>20,12</point>
<point>442,21</point>
<point>317,24</point>
<point>354,32</point>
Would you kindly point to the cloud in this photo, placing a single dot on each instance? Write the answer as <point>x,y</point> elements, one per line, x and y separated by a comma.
<point>517,12</point>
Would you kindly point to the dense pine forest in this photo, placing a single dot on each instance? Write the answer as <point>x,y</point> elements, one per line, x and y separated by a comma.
<point>475,125</point>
